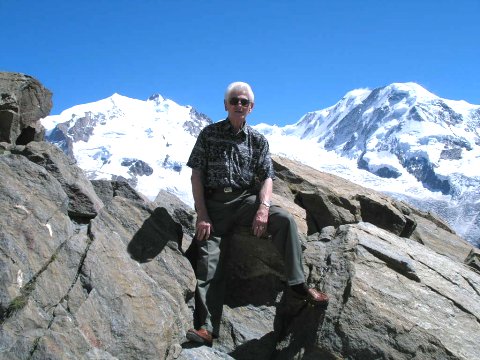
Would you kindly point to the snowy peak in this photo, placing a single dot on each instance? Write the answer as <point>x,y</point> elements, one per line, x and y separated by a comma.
<point>123,112</point>
<point>146,143</point>
<point>409,90</point>
<point>387,118</point>
<point>156,98</point>
<point>400,131</point>
<point>314,124</point>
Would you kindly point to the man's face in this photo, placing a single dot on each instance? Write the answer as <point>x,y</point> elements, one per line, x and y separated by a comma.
<point>238,106</point>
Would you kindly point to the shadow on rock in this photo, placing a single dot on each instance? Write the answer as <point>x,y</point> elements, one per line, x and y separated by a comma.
<point>191,345</point>
<point>297,324</point>
<point>261,290</point>
<point>296,328</point>
<point>256,348</point>
<point>155,233</point>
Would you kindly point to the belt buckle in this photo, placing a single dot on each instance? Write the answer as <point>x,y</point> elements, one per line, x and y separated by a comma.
<point>227,189</point>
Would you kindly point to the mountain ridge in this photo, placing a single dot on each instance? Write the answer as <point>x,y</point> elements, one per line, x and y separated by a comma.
<point>131,135</point>
<point>401,133</point>
<point>402,130</point>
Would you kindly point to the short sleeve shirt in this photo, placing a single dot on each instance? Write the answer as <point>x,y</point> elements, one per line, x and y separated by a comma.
<point>238,160</point>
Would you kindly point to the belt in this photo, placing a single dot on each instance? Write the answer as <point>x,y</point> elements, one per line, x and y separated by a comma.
<point>224,190</point>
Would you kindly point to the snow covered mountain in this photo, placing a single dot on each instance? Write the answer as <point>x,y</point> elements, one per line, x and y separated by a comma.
<point>427,149</point>
<point>400,128</point>
<point>399,139</point>
<point>143,142</point>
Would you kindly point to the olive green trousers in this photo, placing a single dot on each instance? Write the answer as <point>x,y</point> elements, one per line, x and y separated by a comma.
<point>227,211</point>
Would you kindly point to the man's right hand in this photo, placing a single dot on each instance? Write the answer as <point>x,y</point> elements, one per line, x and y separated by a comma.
<point>203,228</point>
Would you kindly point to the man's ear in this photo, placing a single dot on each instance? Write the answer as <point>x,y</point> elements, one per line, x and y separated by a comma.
<point>225,104</point>
<point>251,107</point>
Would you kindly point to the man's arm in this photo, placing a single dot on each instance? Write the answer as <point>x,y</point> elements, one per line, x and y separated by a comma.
<point>203,226</point>
<point>260,220</point>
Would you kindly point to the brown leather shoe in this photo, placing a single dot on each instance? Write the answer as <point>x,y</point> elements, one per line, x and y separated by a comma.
<point>312,296</point>
<point>201,336</point>
<point>316,297</point>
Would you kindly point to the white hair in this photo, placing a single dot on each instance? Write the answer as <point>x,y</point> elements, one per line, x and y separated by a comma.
<point>240,87</point>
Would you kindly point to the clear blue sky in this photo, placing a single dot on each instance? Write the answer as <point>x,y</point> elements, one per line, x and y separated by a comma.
<point>299,56</point>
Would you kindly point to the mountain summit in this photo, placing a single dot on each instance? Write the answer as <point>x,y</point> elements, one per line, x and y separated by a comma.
<point>142,142</point>
<point>400,128</point>
<point>420,147</point>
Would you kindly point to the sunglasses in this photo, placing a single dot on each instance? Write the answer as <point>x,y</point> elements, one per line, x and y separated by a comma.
<point>235,100</point>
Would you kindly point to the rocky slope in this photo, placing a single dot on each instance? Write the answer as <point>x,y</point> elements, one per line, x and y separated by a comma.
<point>93,270</point>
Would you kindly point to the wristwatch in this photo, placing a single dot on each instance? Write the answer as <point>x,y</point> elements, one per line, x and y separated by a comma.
<point>267,204</point>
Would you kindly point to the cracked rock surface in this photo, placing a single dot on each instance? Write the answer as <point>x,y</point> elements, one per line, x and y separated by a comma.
<point>71,282</point>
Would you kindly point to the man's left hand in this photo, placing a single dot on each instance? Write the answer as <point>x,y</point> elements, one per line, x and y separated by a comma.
<point>260,221</point>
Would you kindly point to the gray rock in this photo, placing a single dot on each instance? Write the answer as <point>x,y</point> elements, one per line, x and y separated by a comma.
<point>84,203</point>
<point>106,190</point>
<point>32,228</point>
<point>23,102</point>
<point>376,303</point>
<point>138,286</point>
<point>83,288</point>
<point>330,201</point>
<point>473,259</point>
<point>401,264</point>
<point>202,353</point>
<point>178,210</point>
<point>327,233</point>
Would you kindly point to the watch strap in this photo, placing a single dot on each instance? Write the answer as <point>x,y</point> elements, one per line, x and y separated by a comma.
<point>266,204</point>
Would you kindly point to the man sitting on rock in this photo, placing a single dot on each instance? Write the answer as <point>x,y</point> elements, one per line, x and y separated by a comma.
<point>232,176</point>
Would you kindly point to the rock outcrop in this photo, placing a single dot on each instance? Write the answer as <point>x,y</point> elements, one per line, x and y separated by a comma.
<point>23,102</point>
<point>93,270</point>
<point>73,286</point>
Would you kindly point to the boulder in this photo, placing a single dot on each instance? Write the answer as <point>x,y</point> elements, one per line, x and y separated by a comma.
<point>23,102</point>
<point>330,200</point>
<point>391,297</point>
<point>473,259</point>
<point>115,286</point>
<point>108,190</point>
<point>83,201</point>
<point>181,212</point>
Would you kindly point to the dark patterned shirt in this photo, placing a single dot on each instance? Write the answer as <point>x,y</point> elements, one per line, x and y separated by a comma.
<point>239,160</point>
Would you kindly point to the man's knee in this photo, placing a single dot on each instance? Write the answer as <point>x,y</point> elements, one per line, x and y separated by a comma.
<point>281,215</point>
